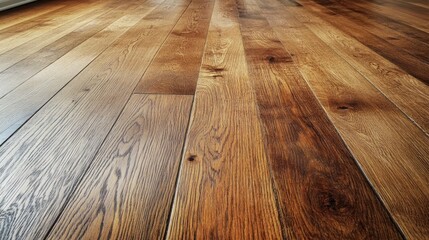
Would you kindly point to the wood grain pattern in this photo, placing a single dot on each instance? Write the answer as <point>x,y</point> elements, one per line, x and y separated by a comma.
<point>406,61</point>
<point>21,103</point>
<point>175,68</point>
<point>390,149</point>
<point>40,164</point>
<point>309,119</point>
<point>20,67</point>
<point>405,91</point>
<point>16,35</point>
<point>224,188</point>
<point>25,13</point>
<point>128,190</point>
<point>314,173</point>
<point>15,55</point>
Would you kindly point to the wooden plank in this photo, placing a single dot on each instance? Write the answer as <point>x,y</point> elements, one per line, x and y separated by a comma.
<point>321,190</point>
<point>390,149</point>
<point>410,19</point>
<point>406,92</point>
<point>224,188</point>
<point>20,104</point>
<point>34,63</point>
<point>22,51</point>
<point>16,35</point>
<point>416,48</point>
<point>406,61</point>
<point>175,68</point>
<point>133,177</point>
<point>26,13</point>
<point>41,163</point>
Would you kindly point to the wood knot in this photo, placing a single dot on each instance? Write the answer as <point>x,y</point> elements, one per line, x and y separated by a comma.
<point>192,157</point>
<point>271,59</point>
<point>343,107</point>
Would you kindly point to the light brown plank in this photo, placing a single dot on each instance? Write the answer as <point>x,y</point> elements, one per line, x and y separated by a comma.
<point>40,164</point>
<point>175,68</point>
<point>390,149</point>
<point>20,104</point>
<point>26,13</point>
<point>321,190</point>
<point>224,187</point>
<point>72,42</point>
<point>16,35</point>
<point>128,190</point>
<point>22,51</point>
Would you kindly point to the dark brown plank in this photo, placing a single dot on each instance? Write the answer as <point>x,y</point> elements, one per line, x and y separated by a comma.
<point>175,68</point>
<point>406,61</point>
<point>41,163</point>
<point>128,190</point>
<point>224,187</point>
<point>402,42</point>
<point>390,149</point>
<point>321,190</point>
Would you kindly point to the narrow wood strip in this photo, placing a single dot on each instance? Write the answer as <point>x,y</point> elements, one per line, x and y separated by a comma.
<point>409,19</point>
<point>224,188</point>
<point>16,35</point>
<point>22,51</point>
<point>20,104</point>
<point>321,190</point>
<point>391,150</point>
<point>40,164</point>
<point>407,62</point>
<point>133,176</point>
<point>26,13</point>
<point>33,64</point>
<point>406,92</point>
<point>401,41</point>
<point>175,68</point>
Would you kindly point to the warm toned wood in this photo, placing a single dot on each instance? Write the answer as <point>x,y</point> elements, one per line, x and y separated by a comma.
<point>15,55</point>
<point>410,19</point>
<point>40,164</point>
<point>27,12</point>
<point>406,61</point>
<point>224,188</point>
<point>75,41</point>
<point>175,68</point>
<point>313,125</point>
<point>391,150</point>
<point>406,92</point>
<point>128,190</point>
<point>314,173</point>
<point>394,37</point>
<point>16,35</point>
<point>21,103</point>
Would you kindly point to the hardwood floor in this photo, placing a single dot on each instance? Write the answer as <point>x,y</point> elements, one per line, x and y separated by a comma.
<point>215,119</point>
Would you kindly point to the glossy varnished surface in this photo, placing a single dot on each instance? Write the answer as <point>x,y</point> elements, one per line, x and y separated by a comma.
<point>214,119</point>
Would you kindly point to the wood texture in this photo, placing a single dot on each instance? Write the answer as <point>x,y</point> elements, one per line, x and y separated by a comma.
<point>386,144</point>
<point>40,164</point>
<point>308,119</point>
<point>175,68</point>
<point>314,173</point>
<point>405,91</point>
<point>23,101</point>
<point>128,190</point>
<point>224,189</point>
<point>16,35</point>
<point>406,61</point>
